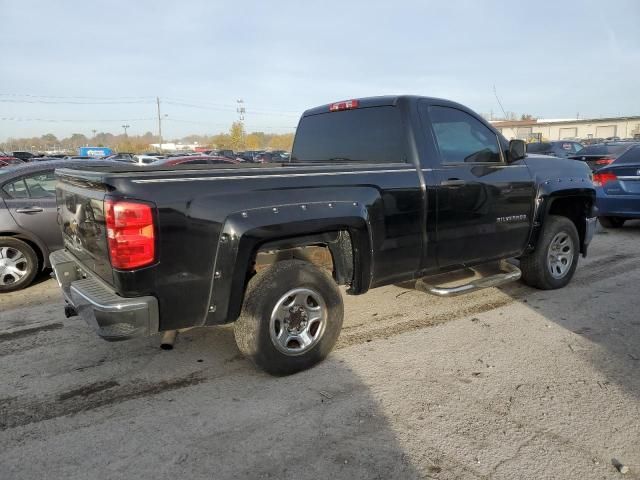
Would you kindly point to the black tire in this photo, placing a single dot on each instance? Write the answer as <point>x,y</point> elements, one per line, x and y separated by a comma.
<point>264,292</point>
<point>611,222</point>
<point>535,268</point>
<point>8,282</point>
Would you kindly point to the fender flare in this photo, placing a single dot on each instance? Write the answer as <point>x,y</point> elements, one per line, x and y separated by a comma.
<point>551,191</point>
<point>243,234</point>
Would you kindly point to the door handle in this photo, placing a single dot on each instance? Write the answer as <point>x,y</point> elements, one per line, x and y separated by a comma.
<point>29,210</point>
<point>453,182</point>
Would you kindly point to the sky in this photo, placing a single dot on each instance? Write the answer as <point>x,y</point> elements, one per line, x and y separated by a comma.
<point>78,66</point>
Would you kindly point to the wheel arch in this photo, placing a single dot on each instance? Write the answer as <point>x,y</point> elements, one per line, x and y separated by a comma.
<point>41,250</point>
<point>346,235</point>
<point>576,205</point>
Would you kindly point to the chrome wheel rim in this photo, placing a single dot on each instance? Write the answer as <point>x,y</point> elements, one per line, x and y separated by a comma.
<point>298,321</point>
<point>560,255</point>
<point>14,266</point>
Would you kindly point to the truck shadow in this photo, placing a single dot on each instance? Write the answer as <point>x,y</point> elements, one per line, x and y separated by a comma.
<point>198,411</point>
<point>599,306</point>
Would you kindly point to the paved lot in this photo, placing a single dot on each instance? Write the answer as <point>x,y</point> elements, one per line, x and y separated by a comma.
<point>504,383</point>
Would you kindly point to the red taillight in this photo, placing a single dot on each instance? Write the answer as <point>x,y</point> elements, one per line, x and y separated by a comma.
<point>130,234</point>
<point>601,179</point>
<point>345,105</point>
<point>604,161</point>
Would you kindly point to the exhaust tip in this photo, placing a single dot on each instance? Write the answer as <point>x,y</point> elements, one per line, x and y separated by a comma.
<point>168,339</point>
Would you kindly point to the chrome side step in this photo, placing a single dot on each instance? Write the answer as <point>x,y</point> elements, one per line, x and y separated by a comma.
<point>508,273</point>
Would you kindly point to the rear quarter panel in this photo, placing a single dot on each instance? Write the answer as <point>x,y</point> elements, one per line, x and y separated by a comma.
<point>200,276</point>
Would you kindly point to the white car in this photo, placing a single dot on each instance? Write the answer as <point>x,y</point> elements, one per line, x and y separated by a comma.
<point>146,159</point>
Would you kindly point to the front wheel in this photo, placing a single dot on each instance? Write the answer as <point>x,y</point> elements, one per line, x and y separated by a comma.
<point>291,317</point>
<point>552,264</point>
<point>611,222</point>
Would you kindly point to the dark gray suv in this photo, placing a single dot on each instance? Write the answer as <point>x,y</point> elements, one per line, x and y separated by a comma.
<point>560,148</point>
<point>28,220</point>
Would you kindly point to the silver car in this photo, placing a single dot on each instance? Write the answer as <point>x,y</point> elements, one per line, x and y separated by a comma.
<point>28,220</point>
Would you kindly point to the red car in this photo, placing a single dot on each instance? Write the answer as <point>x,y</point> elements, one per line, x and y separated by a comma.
<point>195,160</point>
<point>7,160</point>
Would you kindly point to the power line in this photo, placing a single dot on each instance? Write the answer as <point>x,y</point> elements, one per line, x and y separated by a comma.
<point>209,103</point>
<point>231,109</point>
<point>77,102</point>
<point>132,100</point>
<point>60,120</point>
<point>127,120</point>
<point>73,97</point>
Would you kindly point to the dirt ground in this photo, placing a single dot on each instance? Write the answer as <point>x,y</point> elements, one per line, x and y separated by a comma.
<point>508,383</point>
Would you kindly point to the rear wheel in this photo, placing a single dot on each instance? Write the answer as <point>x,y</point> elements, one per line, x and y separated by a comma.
<point>552,264</point>
<point>611,222</point>
<point>291,317</point>
<point>18,264</point>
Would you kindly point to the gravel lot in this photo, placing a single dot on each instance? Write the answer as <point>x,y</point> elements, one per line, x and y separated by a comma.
<point>503,383</point>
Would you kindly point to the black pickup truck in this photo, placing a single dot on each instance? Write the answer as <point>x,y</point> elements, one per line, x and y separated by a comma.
<point>377,191</point>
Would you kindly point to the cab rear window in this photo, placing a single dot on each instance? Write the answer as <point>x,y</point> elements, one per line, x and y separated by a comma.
<point>369,135</point>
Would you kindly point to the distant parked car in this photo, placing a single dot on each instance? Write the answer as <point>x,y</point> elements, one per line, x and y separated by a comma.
<point>28,220</point>
<point>146,159</point>
<point>45,159</point>
<point>561,148</point>
<point>9,161</point>
<point>193,160</point>
<point>602,154</point>
<point>24,156</point>
<point>618,189</point>
<point>223,153</point>
<point>249,155</point>
<point>121,157</point>
<point>269,157</point>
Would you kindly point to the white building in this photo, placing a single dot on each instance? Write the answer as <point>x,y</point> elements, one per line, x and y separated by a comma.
<point>172,147</point>
<point>566,129</point>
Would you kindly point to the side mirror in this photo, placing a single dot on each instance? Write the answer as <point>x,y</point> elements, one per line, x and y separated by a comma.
<point>517,150</point>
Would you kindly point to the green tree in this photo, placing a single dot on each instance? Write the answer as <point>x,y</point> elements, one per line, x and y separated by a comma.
<point>281,142</point>
<point>49,138</point>
<point>236,136</point>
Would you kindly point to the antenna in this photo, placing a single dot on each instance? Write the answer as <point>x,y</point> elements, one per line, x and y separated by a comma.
<point>495,92</point>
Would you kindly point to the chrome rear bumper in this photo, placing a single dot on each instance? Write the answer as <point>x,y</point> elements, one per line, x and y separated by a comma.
<point>113,317</point>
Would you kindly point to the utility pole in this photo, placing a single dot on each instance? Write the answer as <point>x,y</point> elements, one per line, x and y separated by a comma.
<point>159,123</point>
<point>240,109</point>
<point>125,126</point>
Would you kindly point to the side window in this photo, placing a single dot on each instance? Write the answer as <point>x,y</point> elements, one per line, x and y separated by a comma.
<point>461,138</point>
<point>17,189</point>
<point>577,147</point>
<point>42,185</point>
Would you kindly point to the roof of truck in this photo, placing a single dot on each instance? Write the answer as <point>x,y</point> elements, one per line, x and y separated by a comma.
<point>380,101</point>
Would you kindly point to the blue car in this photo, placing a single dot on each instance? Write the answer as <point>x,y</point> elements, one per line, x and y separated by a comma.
<point>618,189</point>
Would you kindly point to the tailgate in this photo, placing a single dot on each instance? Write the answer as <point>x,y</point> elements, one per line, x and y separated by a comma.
<point>80,198</point>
